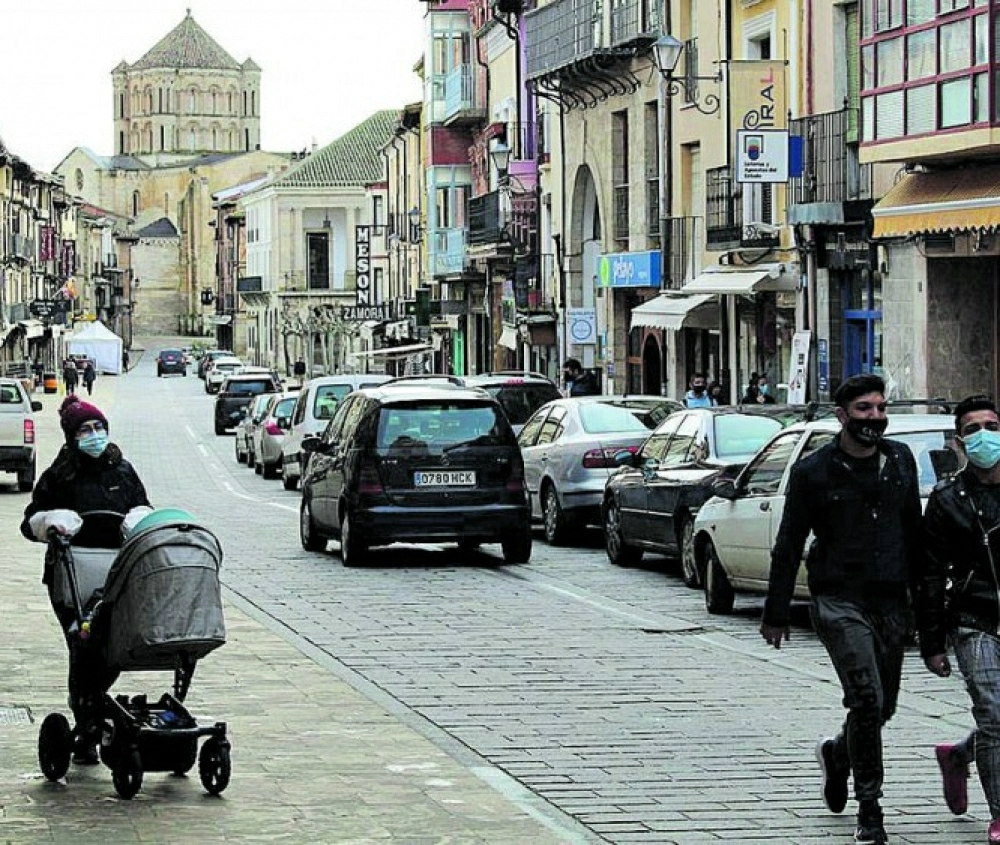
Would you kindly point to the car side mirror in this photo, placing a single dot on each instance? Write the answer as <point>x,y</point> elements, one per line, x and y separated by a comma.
<point>284,423</point>
<point>725,488</point>
<point>36,405</point>
<point>625,458</point>
<point>311,444</point>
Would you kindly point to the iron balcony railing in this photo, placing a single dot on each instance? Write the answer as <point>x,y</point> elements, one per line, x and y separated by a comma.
<point>653,208</point>
<point>831,171</point>
<point>561,33</point>
<point>485,219</point>
<point>504,216</point>
<point>680,246</point>
<point>634,20</point>
<point>725,226</point>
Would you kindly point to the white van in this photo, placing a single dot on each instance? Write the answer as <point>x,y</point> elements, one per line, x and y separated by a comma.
<point>314,408</point>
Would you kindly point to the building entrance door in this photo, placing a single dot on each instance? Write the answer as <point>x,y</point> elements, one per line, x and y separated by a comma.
<point>652,367</point>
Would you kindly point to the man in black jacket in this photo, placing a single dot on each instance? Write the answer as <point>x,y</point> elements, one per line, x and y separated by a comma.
<point>957,600</point>
<point>859,496</point>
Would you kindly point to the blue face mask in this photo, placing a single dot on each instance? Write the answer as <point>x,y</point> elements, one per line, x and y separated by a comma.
<point>983,448</point>
<point>94,444</point>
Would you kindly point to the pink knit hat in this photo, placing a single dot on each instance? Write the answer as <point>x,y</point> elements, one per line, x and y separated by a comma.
<point>74,412</point>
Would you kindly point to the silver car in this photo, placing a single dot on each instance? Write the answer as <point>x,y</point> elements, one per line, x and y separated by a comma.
<point>569,447</point>
<point>269,434</point>
<point>244,431</point>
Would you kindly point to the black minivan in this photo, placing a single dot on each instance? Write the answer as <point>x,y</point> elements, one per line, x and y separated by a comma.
<point>414,463</point>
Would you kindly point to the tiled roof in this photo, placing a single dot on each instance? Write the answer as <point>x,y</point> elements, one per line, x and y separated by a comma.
<point>353,159</point>
<point>161,228</point>
<point>187,46</point>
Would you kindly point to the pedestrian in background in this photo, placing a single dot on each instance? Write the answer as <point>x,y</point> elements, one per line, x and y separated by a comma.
<point>717,394</point>
<point>71,376</point>
<point>697,395</point>
<point>957,600</point>
<point>579,382</point>
<point>758,391</point>
<point>124,359</point>
<point>859,496</point>
<point>299,371</point>
<point>89,377</point>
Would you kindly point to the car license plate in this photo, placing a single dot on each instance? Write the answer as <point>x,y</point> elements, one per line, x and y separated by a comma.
<point>445,478</point>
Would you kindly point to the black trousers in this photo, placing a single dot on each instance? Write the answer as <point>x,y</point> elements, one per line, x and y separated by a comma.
<point>88,678</point>
<point>866,649</point>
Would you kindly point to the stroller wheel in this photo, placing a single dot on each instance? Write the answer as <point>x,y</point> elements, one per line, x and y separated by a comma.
<point>126,774</point>
<point>185,756</point>
<point>55,745</point>
<point>214,765</point>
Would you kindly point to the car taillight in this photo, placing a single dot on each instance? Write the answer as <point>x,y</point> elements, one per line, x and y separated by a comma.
<point>29,431</point>
<point>605,458</point>
<point>272,428</point>
<point>515,484</point>
<point>368,481</point>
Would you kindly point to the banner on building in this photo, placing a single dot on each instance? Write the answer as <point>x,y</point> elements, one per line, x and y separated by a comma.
<point>365,297</point>
<point>758,105</point>
<point>800,368</point>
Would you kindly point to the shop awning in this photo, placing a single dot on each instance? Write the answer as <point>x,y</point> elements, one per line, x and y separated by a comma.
<point>369,328</point>
<point>670,311</point>
<point>942,201</point>
<point>32,328</point>
<point>745,281</point>
<point>394,351</point>
<point>508,337</point>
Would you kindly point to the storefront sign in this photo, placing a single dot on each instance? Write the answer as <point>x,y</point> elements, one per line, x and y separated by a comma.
<point>581,325</point>
<point>365,296</point>
<point>629,270</point>
<point>363,313</point>
<point>800,368</point>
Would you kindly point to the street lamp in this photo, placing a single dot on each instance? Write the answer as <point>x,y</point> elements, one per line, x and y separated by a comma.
<point>500,154</point>
<point>413,215</point>
<point>668,49</point>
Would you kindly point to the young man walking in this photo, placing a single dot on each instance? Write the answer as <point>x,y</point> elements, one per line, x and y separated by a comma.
<point>860,497</point>
<point>957,600</point>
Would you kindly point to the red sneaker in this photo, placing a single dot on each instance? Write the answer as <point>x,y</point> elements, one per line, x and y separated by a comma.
<point>954,777</point>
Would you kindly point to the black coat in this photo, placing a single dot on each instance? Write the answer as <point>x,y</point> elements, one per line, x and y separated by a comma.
<point>79,483</point>
<point>865,549</point>
<point>959,584</point>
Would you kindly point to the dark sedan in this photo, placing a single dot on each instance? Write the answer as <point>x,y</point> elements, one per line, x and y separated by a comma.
<point>651,502</point>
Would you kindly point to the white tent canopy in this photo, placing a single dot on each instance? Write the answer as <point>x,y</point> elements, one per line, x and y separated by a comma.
<point>97,341</point>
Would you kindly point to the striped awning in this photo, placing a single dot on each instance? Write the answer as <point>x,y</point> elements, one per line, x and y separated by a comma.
<point>940,201</point>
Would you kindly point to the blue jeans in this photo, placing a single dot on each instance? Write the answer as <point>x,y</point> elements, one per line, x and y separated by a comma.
<point>866,650</point>
<point>978,655</point>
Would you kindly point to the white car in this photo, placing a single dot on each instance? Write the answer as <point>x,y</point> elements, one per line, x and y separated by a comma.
<point>734,531</point>
<point>220,370</point>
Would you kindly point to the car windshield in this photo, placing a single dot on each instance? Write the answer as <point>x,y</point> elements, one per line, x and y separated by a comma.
<point>247,388</point>
<point>437,426</point>
<point>284,407</point>
<point>601,418</point>
<point>738,437</point>
<point>933,453</point>
<point>520,401</point>
<point>328,396</point>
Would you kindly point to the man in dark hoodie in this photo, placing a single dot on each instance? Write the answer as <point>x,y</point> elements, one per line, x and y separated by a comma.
<point>859,495</point>
<point>88,474</point>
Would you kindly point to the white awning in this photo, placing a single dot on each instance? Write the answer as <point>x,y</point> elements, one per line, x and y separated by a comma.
<point>393,351</point>
<point>745,281</point>
<point>508,337</point>
<point>32,328</point>
<point>670,311</point>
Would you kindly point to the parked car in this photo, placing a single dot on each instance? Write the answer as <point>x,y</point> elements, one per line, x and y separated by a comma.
<point>210,355</point>
<point>520,394</point>
<point>650,504</point>
<point>735,530</point>
<point>314,408</point>
<point>219,370</point>
<point>415,464</point>
<point>236,394</point>
<point>171,361</point>
<point>17,432</point>
<point>269,434</point>
<point>569,447</point>
<point>244,431</point>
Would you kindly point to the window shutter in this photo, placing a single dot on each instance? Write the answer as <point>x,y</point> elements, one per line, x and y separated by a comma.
<point>853,72</point>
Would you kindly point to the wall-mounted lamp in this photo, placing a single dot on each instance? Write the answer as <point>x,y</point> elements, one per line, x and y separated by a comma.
<point>207,296</point>
<point>667,50</point>
<point>500,155</point>
<point>413,215</point>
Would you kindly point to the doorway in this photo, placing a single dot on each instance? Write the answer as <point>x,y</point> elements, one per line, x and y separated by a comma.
<point>652,367</point>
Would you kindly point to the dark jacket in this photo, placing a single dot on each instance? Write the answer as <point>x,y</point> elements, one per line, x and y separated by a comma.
<point>585,384</point>
<point>958,583</point>
<point>89,374</point>
<point>864,548</point>
<point>79,483</point>
<point>71,375</point>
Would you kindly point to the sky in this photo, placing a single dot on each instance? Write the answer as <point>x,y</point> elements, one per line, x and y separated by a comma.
<point>326,65</point>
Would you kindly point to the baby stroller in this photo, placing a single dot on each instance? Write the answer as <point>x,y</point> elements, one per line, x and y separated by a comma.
<point>153,604</point>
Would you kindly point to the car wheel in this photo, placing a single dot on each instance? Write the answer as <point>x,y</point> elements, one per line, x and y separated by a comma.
<point>554,520</point>
<point>289,482</point>
<point>312,540</point>
<point>517,549</point>
<point>269,470</point>
<point>619,552</point>
<point>240,457</point>
<point>219,430</point>
<point>689,563</point>
<point>250,457</point>
<point>258,467</point>
<point>352,547</point>
<point>719,593</point>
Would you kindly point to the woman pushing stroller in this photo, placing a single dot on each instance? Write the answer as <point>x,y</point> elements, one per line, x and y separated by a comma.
<point>89,474</point>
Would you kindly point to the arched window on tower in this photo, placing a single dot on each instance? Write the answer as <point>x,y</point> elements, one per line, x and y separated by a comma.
<point>121,143</point>
<point>253,103</point>
<point>191,139</point>
<point>136,204</point>
<point>192,101</point>
<point>244,103</point>
<point>215,139</point>
<point>230,102</point>
<point>121,104</point>
<point>247,136</point>
<point>166,205</point>
<point>163,138</point>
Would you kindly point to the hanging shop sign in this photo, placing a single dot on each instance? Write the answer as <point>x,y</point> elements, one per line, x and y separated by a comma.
<point>629,270</point>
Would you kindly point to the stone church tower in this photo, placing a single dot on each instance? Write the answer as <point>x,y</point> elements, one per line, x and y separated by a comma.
<point>186,97</point>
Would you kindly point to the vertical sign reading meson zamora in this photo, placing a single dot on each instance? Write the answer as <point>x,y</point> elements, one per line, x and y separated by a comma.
<point>363,266</point>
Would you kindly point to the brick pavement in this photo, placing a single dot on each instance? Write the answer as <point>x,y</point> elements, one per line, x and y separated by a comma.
<point>314,760</point>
